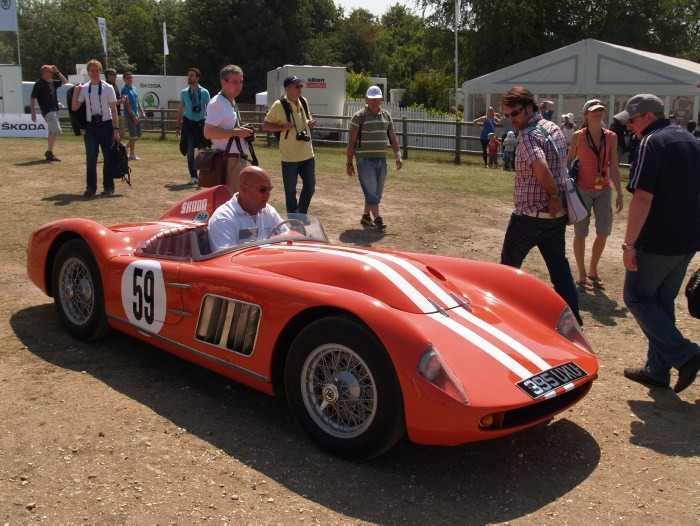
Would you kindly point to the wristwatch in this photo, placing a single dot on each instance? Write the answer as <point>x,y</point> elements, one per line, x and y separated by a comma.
<point>627,246</point>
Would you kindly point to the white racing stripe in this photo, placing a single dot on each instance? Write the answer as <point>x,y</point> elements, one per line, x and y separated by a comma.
<point>421,302</point>
<point>451,303</point>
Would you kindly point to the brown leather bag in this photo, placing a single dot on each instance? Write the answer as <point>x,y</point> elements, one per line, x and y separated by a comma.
<point>211,165</point>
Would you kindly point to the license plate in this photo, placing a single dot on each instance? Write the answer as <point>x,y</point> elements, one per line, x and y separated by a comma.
<point>551,379</point>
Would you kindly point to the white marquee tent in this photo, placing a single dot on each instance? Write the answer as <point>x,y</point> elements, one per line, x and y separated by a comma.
<point>592,69</point>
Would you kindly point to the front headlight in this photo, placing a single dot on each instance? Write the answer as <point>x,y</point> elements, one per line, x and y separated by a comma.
<point>434,370</point>
<point>569,328</point>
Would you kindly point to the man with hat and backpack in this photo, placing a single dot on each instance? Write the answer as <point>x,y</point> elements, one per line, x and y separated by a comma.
<point>290,119</point>
<point>369,129</point>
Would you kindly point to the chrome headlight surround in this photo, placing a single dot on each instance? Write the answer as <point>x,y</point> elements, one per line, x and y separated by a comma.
<point>569,328</point>
<point>434,370</point>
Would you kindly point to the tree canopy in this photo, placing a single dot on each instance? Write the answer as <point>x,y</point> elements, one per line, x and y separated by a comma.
<point>414,50</point>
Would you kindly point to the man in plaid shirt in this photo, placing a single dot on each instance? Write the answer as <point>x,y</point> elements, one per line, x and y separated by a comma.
<point>540,218</point>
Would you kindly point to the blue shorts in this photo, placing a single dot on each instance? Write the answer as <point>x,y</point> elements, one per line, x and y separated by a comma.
<point>371,172</point>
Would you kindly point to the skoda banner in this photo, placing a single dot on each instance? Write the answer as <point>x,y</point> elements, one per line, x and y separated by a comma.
<point>21,125</point>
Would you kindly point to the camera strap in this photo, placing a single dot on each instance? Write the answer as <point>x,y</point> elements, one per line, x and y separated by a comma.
<point>99,97</point>
<point>191,93</point>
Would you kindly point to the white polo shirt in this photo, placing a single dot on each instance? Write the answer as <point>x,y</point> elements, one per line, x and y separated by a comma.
<point>222,114</point>
<point>231,225</point>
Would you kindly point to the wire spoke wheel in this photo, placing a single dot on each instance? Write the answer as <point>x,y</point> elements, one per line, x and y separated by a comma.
<point>76,291</point>
<point>339,391</point>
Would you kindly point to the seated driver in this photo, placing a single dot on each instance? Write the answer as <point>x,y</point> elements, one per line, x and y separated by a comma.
<point>246,216</point>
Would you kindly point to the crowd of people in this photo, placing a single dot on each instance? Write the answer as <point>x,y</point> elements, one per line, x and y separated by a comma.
<point>663,226</point>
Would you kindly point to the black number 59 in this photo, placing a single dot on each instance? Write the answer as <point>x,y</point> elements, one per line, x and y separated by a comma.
<point>143,294</point>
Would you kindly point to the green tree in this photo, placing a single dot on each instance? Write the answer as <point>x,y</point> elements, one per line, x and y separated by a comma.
<point>356,85</point>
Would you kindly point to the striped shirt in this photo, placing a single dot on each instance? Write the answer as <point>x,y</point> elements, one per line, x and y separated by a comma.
<point>589,164</point>
<point>373,140</point>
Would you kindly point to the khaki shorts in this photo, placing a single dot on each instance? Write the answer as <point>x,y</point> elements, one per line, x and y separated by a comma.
<point>234,167</point>
<point>54,125</point>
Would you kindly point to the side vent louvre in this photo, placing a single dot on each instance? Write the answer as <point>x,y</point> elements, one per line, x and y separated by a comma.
<point>229,324</point>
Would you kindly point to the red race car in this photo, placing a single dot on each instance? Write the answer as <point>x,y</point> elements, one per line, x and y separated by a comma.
<point>365,344</point>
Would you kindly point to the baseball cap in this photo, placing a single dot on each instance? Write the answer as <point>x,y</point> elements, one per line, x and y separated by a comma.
<point>492,135</point>
<point>374,92</point>
<point>642,103</point>
<point>592,105</point>
<point>569,116</point>
<point>292,80</point>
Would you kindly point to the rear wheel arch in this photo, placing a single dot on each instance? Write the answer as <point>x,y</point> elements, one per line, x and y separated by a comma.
<point>56,245</point>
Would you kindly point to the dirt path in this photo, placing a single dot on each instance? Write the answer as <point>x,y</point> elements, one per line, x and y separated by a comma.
<point>119,432</point>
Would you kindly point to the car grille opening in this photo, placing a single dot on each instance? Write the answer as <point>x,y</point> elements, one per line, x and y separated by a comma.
<point>228,324</point>
<point>531,413</point>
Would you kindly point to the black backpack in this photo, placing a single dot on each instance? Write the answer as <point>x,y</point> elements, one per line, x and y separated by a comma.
<point>119,162</point>
<point>288,112</point>
<point>78,119</point>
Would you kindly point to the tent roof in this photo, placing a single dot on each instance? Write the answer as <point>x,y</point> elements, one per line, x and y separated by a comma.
<point>594,67</point>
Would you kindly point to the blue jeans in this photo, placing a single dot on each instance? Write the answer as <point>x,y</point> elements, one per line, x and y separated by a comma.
<point>372,174</point>
<point>650,295</point>
<point>307,171</point>
<point>98,138</point>
<point>549,235</point>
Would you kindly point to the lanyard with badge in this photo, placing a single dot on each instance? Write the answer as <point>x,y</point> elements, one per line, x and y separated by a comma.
<point>599,152</point>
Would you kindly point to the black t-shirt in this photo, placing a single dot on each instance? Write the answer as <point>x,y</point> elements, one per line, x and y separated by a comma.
<point>118,94</point>
<point>44,91</point>
<point>666,166</point>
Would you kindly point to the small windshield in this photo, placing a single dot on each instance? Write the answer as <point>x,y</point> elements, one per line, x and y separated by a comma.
<point>292,227</point>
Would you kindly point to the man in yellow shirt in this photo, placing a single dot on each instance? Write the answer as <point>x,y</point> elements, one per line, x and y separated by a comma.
<point>291,118</point>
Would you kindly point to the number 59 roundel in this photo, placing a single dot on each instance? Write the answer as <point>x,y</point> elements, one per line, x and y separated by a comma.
<point>143,295</point>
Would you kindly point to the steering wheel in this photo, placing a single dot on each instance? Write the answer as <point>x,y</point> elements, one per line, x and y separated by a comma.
<point>277,229</point>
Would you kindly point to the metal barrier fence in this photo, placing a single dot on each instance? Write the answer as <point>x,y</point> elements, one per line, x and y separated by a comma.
<point>427,133</point>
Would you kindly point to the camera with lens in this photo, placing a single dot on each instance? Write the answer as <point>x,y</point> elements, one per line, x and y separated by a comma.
<point>250,138</point>
<point>196,109</point>
<point>96,119</point>
<point>303,136</point>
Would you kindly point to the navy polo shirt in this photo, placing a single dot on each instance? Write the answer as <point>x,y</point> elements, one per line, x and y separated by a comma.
<point>668,166</point>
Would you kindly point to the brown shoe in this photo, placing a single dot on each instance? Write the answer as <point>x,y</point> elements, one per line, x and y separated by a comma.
<point>687,373</point>
<point>638,374</point>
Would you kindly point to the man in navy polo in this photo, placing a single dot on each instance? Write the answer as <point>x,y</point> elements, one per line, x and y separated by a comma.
<point>663,235</point>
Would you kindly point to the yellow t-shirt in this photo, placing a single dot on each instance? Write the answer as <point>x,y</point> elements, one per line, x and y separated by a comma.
<point>291,150</point>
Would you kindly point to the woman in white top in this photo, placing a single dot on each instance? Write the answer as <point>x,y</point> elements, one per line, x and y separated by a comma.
<point>568,127</point>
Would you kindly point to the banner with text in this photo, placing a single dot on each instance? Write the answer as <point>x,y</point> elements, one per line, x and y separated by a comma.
<point>21,125</point>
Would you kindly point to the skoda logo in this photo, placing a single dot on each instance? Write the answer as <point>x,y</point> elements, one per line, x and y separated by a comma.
<point>151,101</point>
<point>6,4</point>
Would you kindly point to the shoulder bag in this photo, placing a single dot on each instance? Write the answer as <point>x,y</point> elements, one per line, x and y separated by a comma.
<point>211,165</point>
<point>575,206</point>
<point>692,292</point>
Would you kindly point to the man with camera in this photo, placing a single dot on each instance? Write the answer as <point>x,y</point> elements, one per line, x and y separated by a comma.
<point>223,125</point>
<point>290,118</point>
<point>191,115</point>
<point>102,128</point>
<point>44,91</point>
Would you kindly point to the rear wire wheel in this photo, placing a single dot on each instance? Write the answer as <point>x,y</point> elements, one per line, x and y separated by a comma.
<point>342,387</point>
<point>77,291</point>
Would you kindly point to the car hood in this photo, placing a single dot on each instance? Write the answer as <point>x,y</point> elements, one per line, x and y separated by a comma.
<point>397,280</point>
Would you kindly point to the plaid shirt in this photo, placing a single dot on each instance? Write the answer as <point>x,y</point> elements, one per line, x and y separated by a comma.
<point>528,194</point>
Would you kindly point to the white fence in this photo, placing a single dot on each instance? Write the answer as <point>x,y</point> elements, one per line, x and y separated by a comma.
<point>424,131</point>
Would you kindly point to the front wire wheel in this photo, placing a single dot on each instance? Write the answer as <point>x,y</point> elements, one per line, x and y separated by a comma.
<point>342,388</point>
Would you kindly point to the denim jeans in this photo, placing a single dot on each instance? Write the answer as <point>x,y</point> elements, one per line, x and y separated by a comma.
<point>98,138</point>
<point>190,152</point>
<point>290,172</point>
<point>372,174</point>
<point>650,295</point>
<point>549,236</point>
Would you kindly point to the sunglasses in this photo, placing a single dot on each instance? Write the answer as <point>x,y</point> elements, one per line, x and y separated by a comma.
<point>264,189</point>
<point>514,113</point>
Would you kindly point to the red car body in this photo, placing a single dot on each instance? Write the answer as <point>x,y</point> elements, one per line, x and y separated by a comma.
<point>377,341</point>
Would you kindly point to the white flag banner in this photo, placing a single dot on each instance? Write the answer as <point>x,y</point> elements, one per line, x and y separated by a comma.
<point>8,15</point>
<point>166,51</point>
<point>458,14</point>
<point>103,32</point>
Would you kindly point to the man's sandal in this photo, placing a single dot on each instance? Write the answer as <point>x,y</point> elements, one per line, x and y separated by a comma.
<point>597,282</point>
<point>584,285</point>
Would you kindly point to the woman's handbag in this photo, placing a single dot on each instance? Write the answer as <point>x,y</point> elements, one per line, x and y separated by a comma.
<point>692,292</point>
<point>211,165</point>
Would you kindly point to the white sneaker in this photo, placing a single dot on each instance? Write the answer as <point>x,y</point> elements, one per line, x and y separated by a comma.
<point>193,180</point>
<point>133,157</point>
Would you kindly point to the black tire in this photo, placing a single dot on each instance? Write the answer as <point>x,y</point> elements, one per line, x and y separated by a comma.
<point>343,390</point>
<point>78,293</point>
